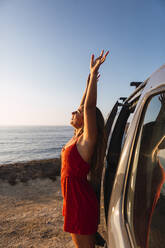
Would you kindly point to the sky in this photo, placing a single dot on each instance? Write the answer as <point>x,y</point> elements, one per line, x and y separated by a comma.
<point>46,46</point>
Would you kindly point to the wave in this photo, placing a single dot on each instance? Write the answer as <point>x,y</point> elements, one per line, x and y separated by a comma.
<point>23,143</point>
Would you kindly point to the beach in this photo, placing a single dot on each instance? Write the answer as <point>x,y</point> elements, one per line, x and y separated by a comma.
<point>31,206</point>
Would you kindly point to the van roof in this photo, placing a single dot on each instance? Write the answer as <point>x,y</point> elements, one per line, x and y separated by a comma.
<point>156,80</point>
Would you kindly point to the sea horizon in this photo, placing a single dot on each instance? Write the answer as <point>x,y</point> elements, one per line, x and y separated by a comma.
<point>23,143</point>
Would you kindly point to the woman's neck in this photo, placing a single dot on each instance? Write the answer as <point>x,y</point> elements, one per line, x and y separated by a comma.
<point>78,132</point>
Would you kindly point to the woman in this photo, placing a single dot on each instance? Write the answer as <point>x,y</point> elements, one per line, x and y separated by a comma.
<point>80,204</point>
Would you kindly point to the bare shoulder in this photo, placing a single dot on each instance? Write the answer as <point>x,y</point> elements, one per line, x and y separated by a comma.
<point>85,149</point>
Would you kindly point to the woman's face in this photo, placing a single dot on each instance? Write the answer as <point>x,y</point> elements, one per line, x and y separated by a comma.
<point>77,120</point>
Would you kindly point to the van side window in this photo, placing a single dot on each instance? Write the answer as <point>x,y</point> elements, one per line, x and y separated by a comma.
<point>145,207</point>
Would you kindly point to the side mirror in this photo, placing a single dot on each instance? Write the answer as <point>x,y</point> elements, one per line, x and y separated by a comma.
<point>136,84</point>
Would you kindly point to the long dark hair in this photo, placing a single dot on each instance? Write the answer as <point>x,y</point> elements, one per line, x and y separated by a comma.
<point>97,162</point>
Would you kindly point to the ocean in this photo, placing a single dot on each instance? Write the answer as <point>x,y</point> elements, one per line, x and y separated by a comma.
<point>26,143</point>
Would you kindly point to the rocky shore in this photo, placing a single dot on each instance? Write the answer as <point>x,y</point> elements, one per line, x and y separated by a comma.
<point>23,172</point>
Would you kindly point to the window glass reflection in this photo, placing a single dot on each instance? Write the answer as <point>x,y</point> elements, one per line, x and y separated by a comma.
<point>146,194</point>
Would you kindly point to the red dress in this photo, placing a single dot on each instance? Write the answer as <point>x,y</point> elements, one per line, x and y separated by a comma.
<point>80,205</point>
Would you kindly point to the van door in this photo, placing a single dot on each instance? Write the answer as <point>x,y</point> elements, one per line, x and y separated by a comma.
<point>116,141</point>
<point>145,197</point>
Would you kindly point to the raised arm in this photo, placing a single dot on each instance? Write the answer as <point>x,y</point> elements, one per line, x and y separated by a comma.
<point>90,127</point>
<point>84,96</point>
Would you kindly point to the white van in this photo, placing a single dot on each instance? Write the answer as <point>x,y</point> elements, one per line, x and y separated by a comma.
<point>134,177</point>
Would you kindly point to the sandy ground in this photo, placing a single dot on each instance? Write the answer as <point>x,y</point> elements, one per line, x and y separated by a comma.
<point>31,215</point>
<point>31,208</point>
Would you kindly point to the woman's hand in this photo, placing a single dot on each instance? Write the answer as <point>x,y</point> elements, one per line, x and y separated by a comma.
<point>95,64</point>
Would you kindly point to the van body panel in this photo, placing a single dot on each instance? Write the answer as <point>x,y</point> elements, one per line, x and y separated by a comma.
<point>117,230</point>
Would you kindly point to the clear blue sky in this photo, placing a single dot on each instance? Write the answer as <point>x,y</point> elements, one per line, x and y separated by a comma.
<point>45,49</point>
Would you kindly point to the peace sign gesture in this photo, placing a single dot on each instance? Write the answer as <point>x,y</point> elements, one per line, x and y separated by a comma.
<point>95,64</point>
